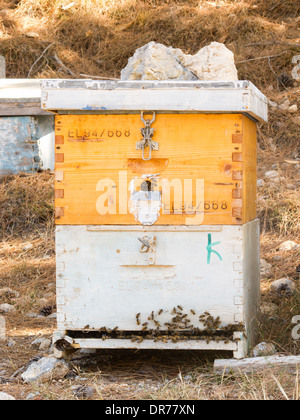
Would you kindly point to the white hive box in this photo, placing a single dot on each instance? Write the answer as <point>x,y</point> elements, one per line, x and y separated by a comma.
<point>104,281</point>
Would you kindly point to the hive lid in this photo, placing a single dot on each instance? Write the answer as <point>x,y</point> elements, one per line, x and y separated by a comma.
<point>20,97</point>
<point>165,96</point>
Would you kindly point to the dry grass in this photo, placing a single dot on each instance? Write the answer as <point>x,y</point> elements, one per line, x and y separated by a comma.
<point>100,43</point>
<point>26,204</point>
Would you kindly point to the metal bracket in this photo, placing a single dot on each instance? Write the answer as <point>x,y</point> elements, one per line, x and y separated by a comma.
<point>147,133</point>
<point>149,246</point>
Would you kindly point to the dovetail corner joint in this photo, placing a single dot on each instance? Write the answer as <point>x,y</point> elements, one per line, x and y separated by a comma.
<point>59,139</point>
<point>59,193</point>
<point>237,138</point>
<point>237,175</point>
<point>237,212</point>
<point>237,193</point>
<point>59,157</point>
<point>59,176</point>
<point>237,157</point>
<point>59,211</point>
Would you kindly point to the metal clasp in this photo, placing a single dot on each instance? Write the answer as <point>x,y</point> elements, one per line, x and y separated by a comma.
<point>147,133</point>
<point>149,247</point>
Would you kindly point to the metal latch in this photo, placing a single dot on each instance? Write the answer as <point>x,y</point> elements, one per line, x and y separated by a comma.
<point>149,247</point>
<point>147,133</point>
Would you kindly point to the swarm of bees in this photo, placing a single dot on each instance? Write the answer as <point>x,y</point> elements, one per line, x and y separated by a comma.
<point>174,327</point>
<point>179,327</point>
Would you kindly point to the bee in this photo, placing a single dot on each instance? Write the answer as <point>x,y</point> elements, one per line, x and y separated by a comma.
<point>193,312</point>
<point>116,328</point>
<point>184,337</point>
<point>180,307</point>
<point>104,337</point>
<point>138,318</point>
<point>156,323</point>
<point>140,340</point>
<point>174,311</point>
<point>160,311</point>
<point>151,316</point>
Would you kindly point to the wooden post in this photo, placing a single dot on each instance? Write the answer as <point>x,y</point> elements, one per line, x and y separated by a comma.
<point>256,364</point>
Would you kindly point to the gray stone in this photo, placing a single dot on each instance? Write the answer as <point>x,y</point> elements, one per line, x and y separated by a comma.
<point>265,268</point>
<point>268,308</point>
<point>289,246</point>
<point>45,369</point>
<point>33,315</point>
<point>32,396</point>
<point>83,391</point>
<point>11,343</point>
<point>36,343</point>
<point>6,397</point>
<point>42,344</point>
<point>263,349</point>
<point>45,344</point>
<point>6,308</point>
<point>293,109</point>
<point>213,62</point>
<point>273,104</point>
<point>27,247</point>
<point>272,176</point>
<point>155,61</point>
<point>8,293</point>
<point>2,67</point>
<point>284,286</point>
<point>260,183</point>
<point>284,106</point>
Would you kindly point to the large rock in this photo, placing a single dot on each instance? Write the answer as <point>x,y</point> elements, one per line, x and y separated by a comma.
<point>155,61</point>
<point>45,369</point>
<point>213,62</point>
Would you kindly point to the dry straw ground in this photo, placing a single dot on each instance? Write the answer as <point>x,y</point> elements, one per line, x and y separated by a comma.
<point>97,38</point>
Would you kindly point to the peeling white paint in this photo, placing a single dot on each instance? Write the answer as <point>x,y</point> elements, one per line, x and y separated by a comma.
<point>26,144</point>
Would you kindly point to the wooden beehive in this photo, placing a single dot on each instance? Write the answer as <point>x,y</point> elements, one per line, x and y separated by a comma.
<point>154,231</point>
<point>217,148</point>
<point>205,131</point>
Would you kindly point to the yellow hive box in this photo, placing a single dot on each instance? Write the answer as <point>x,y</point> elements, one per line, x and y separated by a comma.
<point>186,165</point>
<point>219,149</point>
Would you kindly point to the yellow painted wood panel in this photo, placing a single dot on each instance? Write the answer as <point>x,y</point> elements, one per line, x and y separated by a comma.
<point>250,169</point>
<point>96,150</point>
